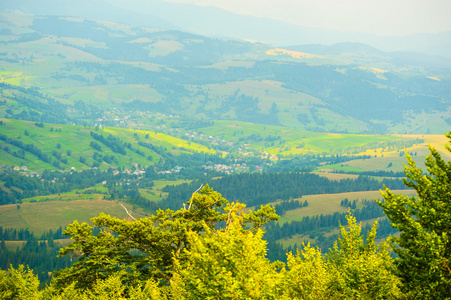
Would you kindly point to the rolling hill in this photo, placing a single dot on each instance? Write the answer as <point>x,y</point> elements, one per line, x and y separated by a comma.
<point>42,146</point>
<point>110,65</point>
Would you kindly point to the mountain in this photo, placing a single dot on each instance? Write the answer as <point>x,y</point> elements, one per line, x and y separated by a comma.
<point>98,10</point>
<point>216,22</point>
<point>106,65</point>
<point>398,58</point>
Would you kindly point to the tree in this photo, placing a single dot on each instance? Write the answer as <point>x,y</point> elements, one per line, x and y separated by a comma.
<point>361,270</point>
<point>210,250</point>
<point>138,250</point>
<point>308,277</point>
<point>229,263</point>
<point>424,245</point>
<point>354,269</point>
<point>18,283</point>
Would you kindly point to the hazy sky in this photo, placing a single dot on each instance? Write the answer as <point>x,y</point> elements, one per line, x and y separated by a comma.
<point>382,17</point>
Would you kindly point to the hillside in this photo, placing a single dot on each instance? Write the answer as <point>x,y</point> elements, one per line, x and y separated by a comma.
<point>40,146</point>
<point>104,65</point>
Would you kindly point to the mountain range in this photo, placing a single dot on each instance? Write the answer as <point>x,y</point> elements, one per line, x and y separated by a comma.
<point>220,23</point>
<point>345,87</point>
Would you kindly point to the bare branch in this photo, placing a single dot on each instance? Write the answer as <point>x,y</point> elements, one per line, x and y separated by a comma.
<point>191,202</point>
<point>128,212</point>
<point>229,218</point>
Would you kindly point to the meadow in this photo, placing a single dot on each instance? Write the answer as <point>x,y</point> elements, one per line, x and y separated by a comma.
<point>289,141</point>
<point>73,142</point>
<point>42,216</point>
<point>393,158</point>
<point>327,204</point>
<point>155,193</point>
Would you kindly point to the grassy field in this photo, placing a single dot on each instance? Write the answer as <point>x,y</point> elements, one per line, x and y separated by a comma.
<point>155,194</point>
<point>13,245</point>
<point>42,216</point>
<point>336,176</point>
<point>390,159</point>
<point>77,139</point>
<point>330,203</point>
<point>64,197</point>
<point>294,141</point>
<point>275,140</point>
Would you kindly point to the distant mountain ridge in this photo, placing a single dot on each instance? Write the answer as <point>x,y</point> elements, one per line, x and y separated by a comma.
<point>397,57</point>
<point>215,22</point>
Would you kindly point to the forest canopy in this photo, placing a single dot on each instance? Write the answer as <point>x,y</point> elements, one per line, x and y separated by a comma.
<point>214,249</point>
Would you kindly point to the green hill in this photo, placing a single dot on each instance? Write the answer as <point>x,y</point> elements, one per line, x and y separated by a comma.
<point>40,146</point>
<point>105,65</point>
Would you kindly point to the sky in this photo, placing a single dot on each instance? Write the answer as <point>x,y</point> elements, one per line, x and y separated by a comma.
<point>381,17</point>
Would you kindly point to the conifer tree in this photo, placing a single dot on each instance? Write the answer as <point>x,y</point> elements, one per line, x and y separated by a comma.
<point>424,222</point>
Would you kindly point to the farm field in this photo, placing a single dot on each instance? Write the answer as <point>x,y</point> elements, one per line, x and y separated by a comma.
<point>330,203</point>
<point>42,216</point>
<point>62,210</point>
<point>336,176</point>
<point>394,159</point>
<point>63,197</point>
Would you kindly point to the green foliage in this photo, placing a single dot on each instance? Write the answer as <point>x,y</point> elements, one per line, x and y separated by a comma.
<point>229,263</point>
<point>18,283</point>
<point>146,248</point>
<point>308,276</point>
<point>362,270</point>
<point>352,270</point>
<point>184,256</point>
<point>424,245</point>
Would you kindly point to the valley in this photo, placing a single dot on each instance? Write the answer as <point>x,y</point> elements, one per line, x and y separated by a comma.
<point>104,117</point>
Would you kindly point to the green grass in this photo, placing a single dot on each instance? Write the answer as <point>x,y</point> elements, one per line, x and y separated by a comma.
<point>64,197</point>
<point>292,141</point>
<point>330,203</point>
<point>336,176</point>
<point>327,204</point>
<point>42,216</point>
<point>374,164</point>
<point>154,193</point>
<point>13,245</point>
<point>77,139</point>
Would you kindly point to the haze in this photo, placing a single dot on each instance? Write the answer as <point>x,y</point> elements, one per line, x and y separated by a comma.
<point>384,17</point>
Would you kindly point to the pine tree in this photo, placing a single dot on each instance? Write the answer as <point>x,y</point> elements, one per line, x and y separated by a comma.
<point>424,245</point>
